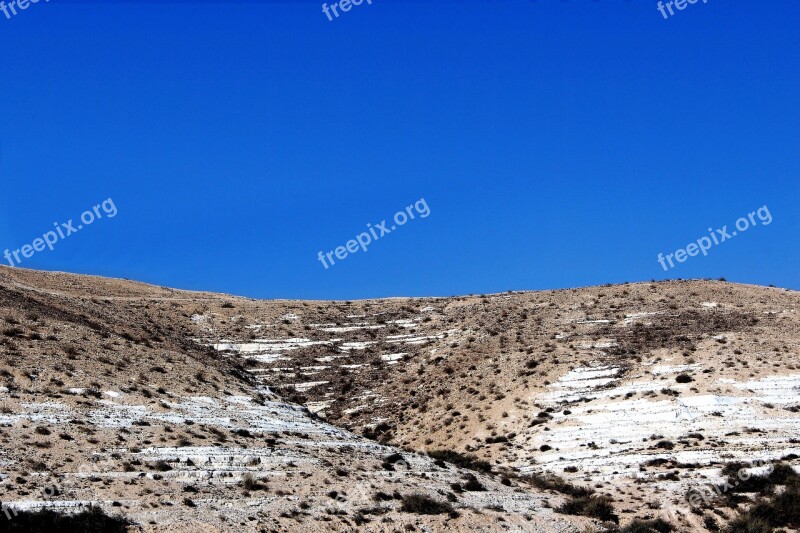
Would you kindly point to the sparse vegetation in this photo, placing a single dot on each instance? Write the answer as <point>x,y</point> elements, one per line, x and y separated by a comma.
<point>657,525</point>
<point>598,507</point>
<point>423,504</point>
<point>249,482</point>
<point>553,482</point>
<point>749,524</point>
<point>469,462</point>
<point>93,520</point>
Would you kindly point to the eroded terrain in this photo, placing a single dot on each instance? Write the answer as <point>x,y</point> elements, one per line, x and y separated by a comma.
<point>219,412</point>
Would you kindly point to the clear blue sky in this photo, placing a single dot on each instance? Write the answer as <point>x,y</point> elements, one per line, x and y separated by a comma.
<point>557,144</point>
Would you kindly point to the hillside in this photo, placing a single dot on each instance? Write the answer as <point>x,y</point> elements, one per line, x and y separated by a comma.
<point>107,401</point>
<point>165,405</point>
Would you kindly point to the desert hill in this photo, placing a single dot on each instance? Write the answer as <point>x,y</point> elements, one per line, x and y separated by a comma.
<point>220,413</point>
<point>109,401</point>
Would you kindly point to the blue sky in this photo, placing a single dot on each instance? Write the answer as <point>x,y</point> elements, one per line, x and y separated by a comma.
<point>557,144</point>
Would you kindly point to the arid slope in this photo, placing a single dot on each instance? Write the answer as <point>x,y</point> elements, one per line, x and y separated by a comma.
<point>109,400</point>
<point>181,399</point>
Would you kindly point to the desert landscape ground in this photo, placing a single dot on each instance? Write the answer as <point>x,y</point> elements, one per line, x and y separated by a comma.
<point>654,406</point>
